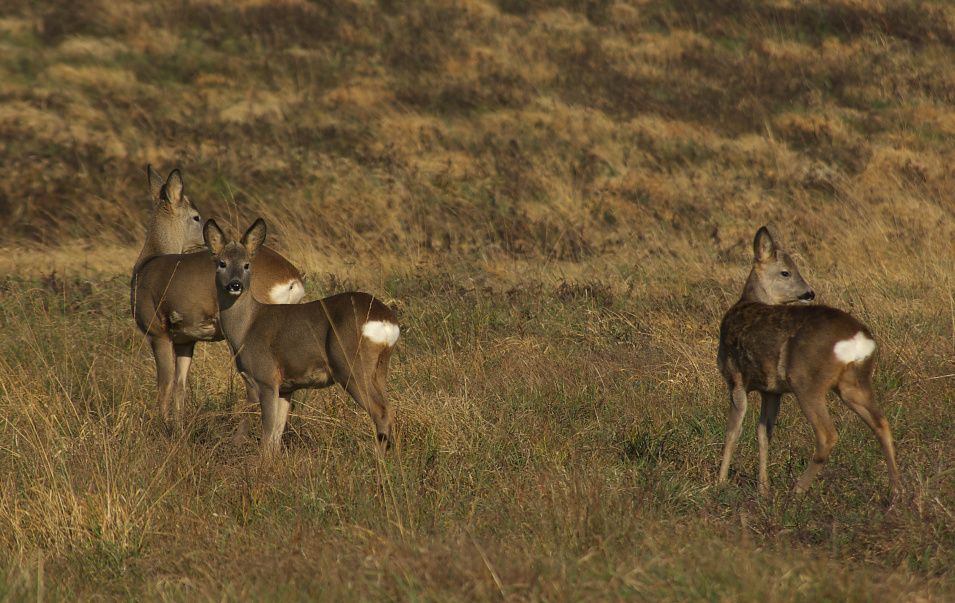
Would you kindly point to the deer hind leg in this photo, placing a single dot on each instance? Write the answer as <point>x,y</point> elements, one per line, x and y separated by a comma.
<point>275,408</point>
<point>380,395</point>
<point>365,382</point>
<point>183,352</point>
<point>856,391</point>
<point>813,405</point>
<point>764,434</point>
<point>734,425</point>
<point>165,373</point>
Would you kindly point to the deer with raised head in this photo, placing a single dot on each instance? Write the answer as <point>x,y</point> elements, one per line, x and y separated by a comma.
<point>346,339</point>
<point>173,294</point>
<point>773,342</point>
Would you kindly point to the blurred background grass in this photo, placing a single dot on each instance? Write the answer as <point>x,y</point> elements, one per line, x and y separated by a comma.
<point>559,199</point>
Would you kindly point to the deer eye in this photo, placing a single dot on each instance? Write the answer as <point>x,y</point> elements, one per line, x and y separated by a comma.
<point>196,218</point>
<point>247,266</point>
<point>785,273</point>
<point>221,264</point>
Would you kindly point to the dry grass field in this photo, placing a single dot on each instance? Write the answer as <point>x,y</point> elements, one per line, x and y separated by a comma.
<point>558,198</point>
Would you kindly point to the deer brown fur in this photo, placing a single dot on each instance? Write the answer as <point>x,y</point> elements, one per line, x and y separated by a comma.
<point>346,339</point>
<point>771,345</point>
<point>173,295</point>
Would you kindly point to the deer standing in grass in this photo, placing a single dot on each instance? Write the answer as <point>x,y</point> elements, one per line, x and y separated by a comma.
<point>772,347</point>
<point>173,294</point>
<point>346,339</point>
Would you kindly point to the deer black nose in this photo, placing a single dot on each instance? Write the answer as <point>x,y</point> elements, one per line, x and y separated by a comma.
<point>809,296</point>
<point>235,287</point>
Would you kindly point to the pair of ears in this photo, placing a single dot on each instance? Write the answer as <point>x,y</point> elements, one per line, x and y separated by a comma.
<point>251,240</point>
<point>168,191</point>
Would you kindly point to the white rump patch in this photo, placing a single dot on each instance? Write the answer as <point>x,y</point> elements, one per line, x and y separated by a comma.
<point>856,349</point>
<point>381,332</point>
<point>290,292</point>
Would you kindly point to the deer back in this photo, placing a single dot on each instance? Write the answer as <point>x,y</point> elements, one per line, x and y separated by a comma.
<point>297,343</point>
<point>769,348</point>
<point>175,294</point>
<point>275,280</point>
<point>770,337</point>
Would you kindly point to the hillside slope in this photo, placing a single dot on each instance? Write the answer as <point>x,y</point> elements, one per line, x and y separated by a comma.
<point>559,200</point>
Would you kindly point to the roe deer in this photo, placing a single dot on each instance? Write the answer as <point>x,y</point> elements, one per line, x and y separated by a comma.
<point>173,295</point>
<point>346,339</point>
<point>775,348</point>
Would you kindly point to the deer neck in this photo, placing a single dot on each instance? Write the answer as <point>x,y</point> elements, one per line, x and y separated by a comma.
<point>236,315</point>
<point>159,241</point>
<point>754,291</point>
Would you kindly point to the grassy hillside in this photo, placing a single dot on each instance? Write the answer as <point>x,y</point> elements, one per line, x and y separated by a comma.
<point>559,199</point>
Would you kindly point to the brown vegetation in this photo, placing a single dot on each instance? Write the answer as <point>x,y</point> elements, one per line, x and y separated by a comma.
<point>558,199</point>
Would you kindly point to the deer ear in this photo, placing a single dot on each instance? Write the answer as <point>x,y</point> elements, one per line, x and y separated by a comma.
<point>213,236</point>
<point>155,183</point>
<point>764,245</point>
<point>172,190</point>
<point>254,236</point>
<point>774,233</point>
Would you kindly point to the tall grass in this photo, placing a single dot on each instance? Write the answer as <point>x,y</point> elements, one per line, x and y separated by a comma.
<point>552,456</point>
<point>559,200</point>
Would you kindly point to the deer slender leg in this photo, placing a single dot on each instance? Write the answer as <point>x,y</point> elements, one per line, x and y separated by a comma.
<point>165,373</point>
<point>764,435</point>
<point>813,405</point>
<point>372,398</point>
<point>859,397</point>
<point>275,409</point>
<point>183,353</point>
<point>245,409</point>
<point>734,425</point>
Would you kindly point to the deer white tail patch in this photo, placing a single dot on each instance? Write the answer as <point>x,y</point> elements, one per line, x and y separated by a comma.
<point>381,332</point>
<point>856,349</point>
<point>290,292</point>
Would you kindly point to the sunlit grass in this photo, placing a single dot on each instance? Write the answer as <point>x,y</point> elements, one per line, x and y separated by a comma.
<point>559,200</point>
<point>527,429</point>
